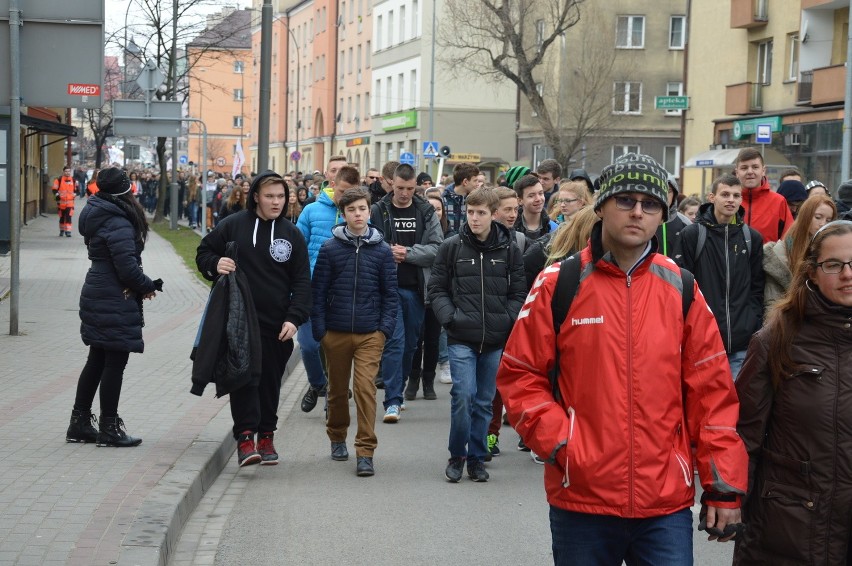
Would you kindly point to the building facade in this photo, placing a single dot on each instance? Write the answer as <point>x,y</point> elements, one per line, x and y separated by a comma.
<point>600,82</point>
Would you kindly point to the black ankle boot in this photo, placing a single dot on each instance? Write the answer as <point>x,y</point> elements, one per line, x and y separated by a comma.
<point>112,433</point>
<point>413,386</point>
<point>429,387</point>
<point>81,428</point>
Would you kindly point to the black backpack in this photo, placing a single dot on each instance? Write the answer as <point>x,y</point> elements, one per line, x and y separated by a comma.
<point>702,239</point>
<point>567,285</point>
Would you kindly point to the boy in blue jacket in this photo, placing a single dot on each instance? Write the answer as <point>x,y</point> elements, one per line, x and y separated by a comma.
<point>354,311</point>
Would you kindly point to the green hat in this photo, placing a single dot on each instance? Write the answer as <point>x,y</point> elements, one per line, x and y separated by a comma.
<point>515,173</point>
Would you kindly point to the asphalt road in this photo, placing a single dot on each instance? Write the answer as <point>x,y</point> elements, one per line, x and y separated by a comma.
<point>311,510</point>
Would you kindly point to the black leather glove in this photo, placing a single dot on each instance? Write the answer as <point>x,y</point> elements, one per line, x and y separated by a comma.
<point>730,528</point>
<point>158,285</point>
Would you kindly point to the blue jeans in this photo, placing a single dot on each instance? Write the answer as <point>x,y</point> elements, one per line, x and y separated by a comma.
<point>399,350</point>
<point>474,386</point>
<point>192,213</point>
<point>603,540</point>
<point>735,360</point>
<point>311,356</point>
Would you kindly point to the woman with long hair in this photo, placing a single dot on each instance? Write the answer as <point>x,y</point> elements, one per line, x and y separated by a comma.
<point>781,258</point>
<point>566,240</point>
<point>191,204</point>
<point>236,200</point>
<point>294,209</point>
<point>114,229</point>
<point>796,414</point>
<point>573,196</point>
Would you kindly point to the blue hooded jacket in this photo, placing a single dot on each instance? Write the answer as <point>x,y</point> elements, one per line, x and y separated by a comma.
<point>316,221</point>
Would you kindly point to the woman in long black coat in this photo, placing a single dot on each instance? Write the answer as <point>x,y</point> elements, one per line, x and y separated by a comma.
<point>114,227</point>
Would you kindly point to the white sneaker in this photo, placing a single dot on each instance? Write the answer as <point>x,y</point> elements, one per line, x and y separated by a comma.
<point>445,376</point>
<point>391,414</point>
<point>536,458</point>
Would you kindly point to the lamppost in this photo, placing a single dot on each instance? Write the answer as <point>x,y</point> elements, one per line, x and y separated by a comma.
<point>298,87</point>
<point>124,80</point>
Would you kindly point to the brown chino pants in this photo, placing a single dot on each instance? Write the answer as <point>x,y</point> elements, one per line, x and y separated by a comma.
<point>341,350</point>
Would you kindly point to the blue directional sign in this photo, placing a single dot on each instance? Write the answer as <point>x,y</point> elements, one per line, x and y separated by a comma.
<point>183,160</point>
<point>764,133</point>
<point>430,149</point>
<point>407,158</point>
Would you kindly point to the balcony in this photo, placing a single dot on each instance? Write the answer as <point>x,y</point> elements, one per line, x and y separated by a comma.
<point>743,98</point>
<point>805,88</point>
<point>829,85</point>
<point>808,4</point>
<point>747,14</point>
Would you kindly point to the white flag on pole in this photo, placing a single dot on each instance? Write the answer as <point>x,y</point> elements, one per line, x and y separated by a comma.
<point>239,159</point>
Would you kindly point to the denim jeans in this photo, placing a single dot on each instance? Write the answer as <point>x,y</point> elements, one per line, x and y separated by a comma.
<point>735,360</point>
<point>399,350</point>
<point>474,385</point>
<point>603,540</point>
<point>192,213</point>
<point>311,356</point>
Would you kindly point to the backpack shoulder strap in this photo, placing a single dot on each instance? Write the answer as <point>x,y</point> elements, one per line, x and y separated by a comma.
<point>747,236</point>
<point>688,281</point>
<point>567,284</point>
<point>702,239</point>
<point>521,240</point>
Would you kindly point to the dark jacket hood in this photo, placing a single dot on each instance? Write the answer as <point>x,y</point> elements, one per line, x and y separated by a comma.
<point>371,237</point>
<point>255,183</point>
<point>97,211</point>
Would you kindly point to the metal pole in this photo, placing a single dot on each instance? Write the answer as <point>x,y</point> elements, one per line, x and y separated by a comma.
<point>847,105</point>
<point>173,197</point>
<point>298,90</point>
<point>265,86</point>
<point>432,88</point>
<point>15,163</point>
<point>124,80</point>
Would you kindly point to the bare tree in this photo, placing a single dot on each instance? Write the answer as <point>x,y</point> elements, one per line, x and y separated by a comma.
<point>509,39</point>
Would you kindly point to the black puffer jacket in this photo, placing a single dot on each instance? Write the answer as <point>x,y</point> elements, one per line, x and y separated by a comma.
<point>478,288</point>
<point>111,299</point>
<point>730,278</point>
<point>799,441</point>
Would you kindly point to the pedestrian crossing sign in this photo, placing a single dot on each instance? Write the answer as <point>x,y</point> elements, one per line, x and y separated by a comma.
<point>430,149</point>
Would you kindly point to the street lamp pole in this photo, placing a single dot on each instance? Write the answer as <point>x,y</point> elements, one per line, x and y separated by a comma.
<point>124,80</point>
<point>265,86</point>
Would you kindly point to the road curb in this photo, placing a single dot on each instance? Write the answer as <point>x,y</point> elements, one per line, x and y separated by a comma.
<point>156,528</point>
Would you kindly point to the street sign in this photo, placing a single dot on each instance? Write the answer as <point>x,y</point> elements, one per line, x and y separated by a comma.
<point>407,158</point>
<point>150,77</point>
<point>430,149</point>
<point>704,163</point>
<point>764,133</point>
<point>295,156</point>
<point>748,127</point>
<point>183,160</point>
<point>671,102</point>
<point>220,161</point>
<point>466,157</point>
<point>157,119</point>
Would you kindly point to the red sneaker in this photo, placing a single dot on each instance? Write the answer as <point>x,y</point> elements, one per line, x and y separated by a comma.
<point>268,455</point>
<point>247,454</point>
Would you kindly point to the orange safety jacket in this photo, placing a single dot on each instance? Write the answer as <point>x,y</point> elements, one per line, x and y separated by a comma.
<point>638,386</point>
<point>92,187</point>
<point>64,189</point>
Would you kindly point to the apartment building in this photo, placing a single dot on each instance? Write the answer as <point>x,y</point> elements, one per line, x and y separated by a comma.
<point>475,119</point>
<point>218,60</point>
<point>776,64</point>
<point>600,81</point>
<point>354,89</point>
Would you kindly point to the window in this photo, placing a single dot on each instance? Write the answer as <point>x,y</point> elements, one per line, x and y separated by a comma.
<point>357,107</point>
<point>677,32</point>
<point>539,34</point>
<point>366,105</point>
<point>413,102</point>
<point>342,64</point>
<point>351,61</point>
<point>351,11</point>
<point>402,23</point>
<point>358,65</point>
<point>793,57</point>
<point>619,150</point>
<point>349,109</point>
<point>378,33</point>
<point>627,98</point>
<point>674,89</point>
<point>671,159</point>
<point>390,28</point>
<point>238,121</point>
<point>379,98</point>
<point>367,53</point>
<point>400,91</point>
<point>415,19</point>
<point>239,66</point>
<point>389,94</point>
<point>630,32</point>
<point>764,63</point>
<point>238,94</point>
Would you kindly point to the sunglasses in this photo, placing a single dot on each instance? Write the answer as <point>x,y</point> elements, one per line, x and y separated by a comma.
<point>648,206</point>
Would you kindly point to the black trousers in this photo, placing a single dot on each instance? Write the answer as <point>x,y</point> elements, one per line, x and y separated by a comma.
<point>255,408</point>
<point>427,347</point>
<point>104,368</point>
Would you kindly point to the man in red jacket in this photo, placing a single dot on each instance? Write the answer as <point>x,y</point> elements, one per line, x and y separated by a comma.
<point>766,211</point>
<point>637,385</point>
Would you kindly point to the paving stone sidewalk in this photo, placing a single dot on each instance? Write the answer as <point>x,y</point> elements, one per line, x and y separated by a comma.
<point>76,504</point>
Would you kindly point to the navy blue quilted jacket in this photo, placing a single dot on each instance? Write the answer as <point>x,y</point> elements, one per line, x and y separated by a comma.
<point>111,299</point>
<point>354,284</point>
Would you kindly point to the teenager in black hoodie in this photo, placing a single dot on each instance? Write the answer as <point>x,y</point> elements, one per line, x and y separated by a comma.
<point>272,253</point>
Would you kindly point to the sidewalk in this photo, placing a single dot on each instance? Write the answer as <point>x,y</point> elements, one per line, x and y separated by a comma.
<point>63,503</point>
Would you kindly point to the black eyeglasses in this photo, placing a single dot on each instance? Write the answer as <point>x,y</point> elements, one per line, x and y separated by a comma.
<point>651,206</point>
<point>833,267</point>
<point>567,200</point>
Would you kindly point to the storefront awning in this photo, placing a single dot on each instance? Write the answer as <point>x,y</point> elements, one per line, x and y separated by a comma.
<point>725,158</point>
<point>47,126</point>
